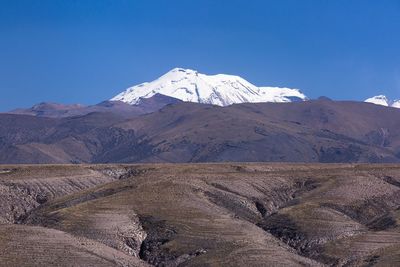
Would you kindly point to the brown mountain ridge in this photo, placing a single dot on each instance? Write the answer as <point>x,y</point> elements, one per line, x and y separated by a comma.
<point>168,131</point>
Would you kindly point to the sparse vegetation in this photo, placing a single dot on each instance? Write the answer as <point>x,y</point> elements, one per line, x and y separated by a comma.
<point>238,214</point>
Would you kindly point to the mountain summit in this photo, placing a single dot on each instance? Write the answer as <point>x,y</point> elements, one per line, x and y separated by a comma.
<point>383,101</point>
<point>221,89</point>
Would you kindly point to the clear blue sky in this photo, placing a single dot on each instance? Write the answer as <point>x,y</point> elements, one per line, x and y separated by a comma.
<point>86,51</point>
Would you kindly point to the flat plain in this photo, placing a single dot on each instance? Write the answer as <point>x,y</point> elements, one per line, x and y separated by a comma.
<point>225,214</point>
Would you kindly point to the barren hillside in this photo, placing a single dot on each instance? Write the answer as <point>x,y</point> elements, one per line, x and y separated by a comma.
<point>200,215</point>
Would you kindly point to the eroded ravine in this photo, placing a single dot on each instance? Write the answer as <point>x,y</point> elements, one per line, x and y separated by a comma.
<point>27,194</point>
<point>223,214</point>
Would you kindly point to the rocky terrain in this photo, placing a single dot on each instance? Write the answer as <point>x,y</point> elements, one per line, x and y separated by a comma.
<point>230,214</point>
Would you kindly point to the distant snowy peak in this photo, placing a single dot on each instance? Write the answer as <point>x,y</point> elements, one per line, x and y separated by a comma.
<point>223,90</point>
<point>378,100</point>
<point>383,101</point>
<point>396,104</point>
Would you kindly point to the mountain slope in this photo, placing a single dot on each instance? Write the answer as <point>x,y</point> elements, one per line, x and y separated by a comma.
<point>47,109</point>
<point>55,110</point>
<point>310,131</point>
<point>233,214</point>
<point>222,90</point>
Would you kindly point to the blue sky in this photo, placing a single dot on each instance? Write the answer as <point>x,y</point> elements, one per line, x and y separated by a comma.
<point>86,51</point>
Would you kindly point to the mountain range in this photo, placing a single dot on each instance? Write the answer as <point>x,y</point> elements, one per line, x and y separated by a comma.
<point>185,116</point>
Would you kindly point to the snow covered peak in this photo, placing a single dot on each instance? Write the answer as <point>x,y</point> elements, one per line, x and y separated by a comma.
<point>396,104</point>
<point>378,100</point>
<point>281,94</point>
<point>383,101</point>
<point>221,89</point>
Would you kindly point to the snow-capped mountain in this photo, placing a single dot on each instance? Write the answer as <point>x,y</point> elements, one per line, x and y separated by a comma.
<point>378,100</point>
<point>383,101</point>
<point>223,90</point>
